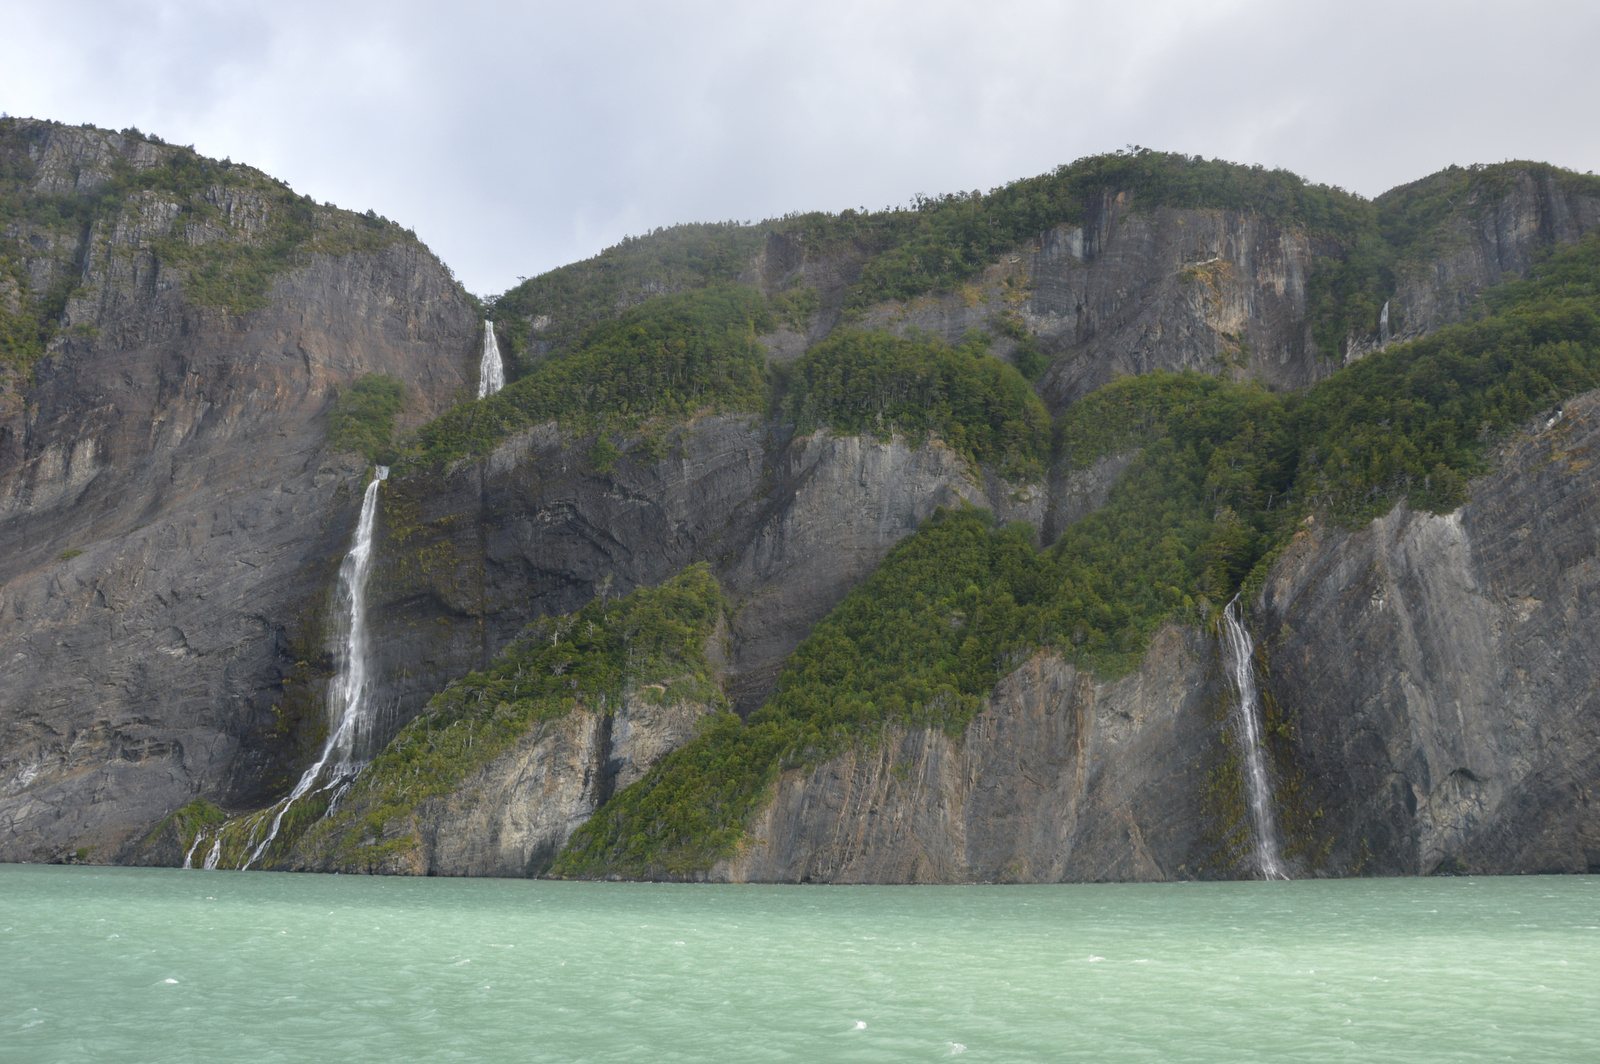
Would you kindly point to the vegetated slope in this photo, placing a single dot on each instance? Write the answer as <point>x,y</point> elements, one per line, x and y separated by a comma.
<point>1227,474</point>
<point>1363,250</point>
<point>652,641</point>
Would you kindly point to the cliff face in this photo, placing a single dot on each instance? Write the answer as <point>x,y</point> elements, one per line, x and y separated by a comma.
<point>789,525</point>
<point>1061,779</point>
<point>1213,291</point>
<point>168,517</point>
<point>512,816</point>
<point>1442,670</point>
<point>1496,236</point>
<point>171,522</point>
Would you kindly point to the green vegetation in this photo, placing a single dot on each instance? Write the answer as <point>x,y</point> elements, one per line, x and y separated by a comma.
<point>225,228</point>
<point>362,419</point>
<point>1225,475</point>
<point>652,641</point>
<point>876,384</point>
<point>193,818</point>
<point>670,358</point>
<point>941,243</point>
<point>577,297</point>
<point>681,355</point>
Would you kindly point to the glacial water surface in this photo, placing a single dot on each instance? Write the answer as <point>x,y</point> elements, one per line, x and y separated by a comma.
<point>163,965</point>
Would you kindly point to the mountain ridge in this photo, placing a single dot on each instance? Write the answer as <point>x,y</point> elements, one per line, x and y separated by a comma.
<point>622,489</point>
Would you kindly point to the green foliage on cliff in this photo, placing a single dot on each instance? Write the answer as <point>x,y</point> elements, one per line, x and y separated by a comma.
<point>586,659</point>
<point>670,358</point>
<point>680,355</point>
<point>574,298</point>
<point>362,418</point>
<point>225,229</point>
<point>877,384</point>
<point>1225,474</point>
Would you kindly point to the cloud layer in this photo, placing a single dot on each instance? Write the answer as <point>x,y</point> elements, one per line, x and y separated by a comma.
<point>517,137</point>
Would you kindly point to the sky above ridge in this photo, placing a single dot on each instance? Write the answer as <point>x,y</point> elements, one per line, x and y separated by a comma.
<point>517,137</point>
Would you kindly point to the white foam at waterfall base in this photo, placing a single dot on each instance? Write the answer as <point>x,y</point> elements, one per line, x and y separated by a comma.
<point>1240,651</point>
<point>343,754</point>
<point>491,370</point>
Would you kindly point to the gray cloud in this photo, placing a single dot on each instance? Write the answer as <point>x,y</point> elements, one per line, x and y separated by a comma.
<point>516,137</point>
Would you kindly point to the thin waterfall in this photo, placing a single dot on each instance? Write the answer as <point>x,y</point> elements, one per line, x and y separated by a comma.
<point>1240,650</point>
<point>491,371</point>
<point>344,752</point>
<point>1383,325</point>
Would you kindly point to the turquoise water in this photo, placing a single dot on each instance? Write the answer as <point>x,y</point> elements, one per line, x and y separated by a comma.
<point>155,965</point>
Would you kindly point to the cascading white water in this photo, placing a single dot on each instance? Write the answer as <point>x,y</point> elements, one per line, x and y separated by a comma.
<point>1258,790</point>
<point>1383,325</point>
<point>491,371</point>
<point>347,695</point>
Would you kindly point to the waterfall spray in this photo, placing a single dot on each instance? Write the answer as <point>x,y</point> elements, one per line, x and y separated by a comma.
<point>1258,790</point>
<point>1383,326</point>
<point>491,371</point>
<point>343,752</point>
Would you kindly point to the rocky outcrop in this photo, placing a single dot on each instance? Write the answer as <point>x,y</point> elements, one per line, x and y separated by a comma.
<point>1494,234</point>
<point>512,816</point>
<point>1061,779</point>
<point>1216,292</point>
<point>1441,670</point>
<point>170,525</point>
<point>469,557</point>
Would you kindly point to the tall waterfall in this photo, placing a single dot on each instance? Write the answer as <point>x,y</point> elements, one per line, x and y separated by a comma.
<point>347,695</point>
<point>1258,790</point>
<point>491,371</point>
<point>1383,325</point>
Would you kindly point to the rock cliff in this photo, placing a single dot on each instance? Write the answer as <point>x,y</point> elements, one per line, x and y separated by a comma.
<point>171,520</point>
<point>169,516</point>
<point>512,816</point>
<point>1061,779</point>
<point>1441,670</point>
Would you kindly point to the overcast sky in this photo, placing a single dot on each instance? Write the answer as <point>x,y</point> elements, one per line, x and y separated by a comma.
<point>517,137</point>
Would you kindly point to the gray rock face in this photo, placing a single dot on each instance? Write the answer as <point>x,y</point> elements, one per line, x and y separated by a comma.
<point>789,526</point>
<point>512,816</point>
<point>171,525</point>
<point>169,528</point>
<point>1485,243</point>
<point>1441,671</point>
<point>1216,292</point>
<point>1061,779</point>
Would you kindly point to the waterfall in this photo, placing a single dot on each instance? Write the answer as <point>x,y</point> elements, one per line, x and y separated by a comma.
<point>491,371</point>
<point>1258,790</point>
<point>347,694</point>
<point>1383,326</point>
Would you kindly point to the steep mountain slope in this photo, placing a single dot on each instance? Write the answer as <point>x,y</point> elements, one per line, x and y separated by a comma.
<point>784,403</point>
<point>170,512</point>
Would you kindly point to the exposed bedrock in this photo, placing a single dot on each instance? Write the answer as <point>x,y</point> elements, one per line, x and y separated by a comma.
<point>170,525</point>
<point>1443,670</point>
<point>789,525</point>
<point>1060,779</point>
<point>512,816</point>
